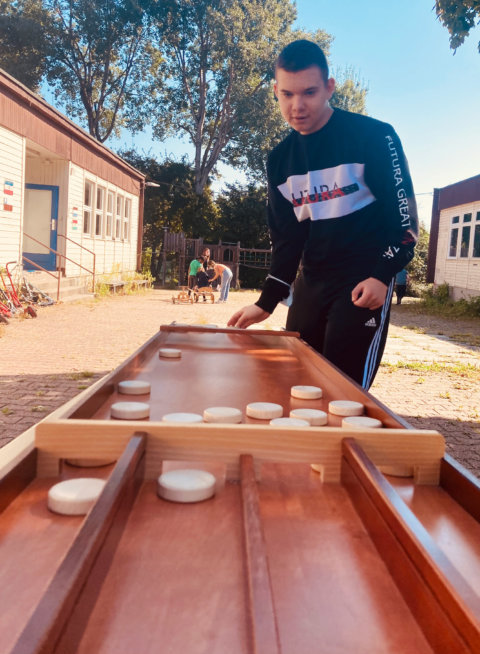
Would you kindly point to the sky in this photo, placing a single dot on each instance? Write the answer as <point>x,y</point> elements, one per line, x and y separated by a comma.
<point>402,54</point>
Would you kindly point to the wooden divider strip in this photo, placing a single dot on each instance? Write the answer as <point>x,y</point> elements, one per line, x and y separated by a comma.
<point>444,605</point>
<point>53,610</point>
<point>461,485</point>
<point>264,629</point>
<point>226,330</point>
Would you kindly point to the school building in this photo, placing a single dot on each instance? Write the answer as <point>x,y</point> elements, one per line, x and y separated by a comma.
<point>454,250</point>
<point>69,205</point>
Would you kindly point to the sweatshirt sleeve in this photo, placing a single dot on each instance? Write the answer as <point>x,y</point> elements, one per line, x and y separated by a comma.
<point>288,237</point>
<point>388,176</point>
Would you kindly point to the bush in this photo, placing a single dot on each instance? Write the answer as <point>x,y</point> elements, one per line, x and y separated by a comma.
<point>437,300</point>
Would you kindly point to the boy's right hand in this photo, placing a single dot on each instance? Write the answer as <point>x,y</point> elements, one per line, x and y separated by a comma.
<point>247,316</point>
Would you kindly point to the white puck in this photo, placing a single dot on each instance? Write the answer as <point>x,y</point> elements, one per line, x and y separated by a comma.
<point>74,496</point>
<point>316,467</point>
<point>89,463</point>
<point>345,408</point>
<point>264,410</point>
<point>306,392</point>
<point>169,353</point>
<point>186,485</point>
<point>289,422</point>
<point>314,416</point>
<point>133,387</point>
<point>222,414</point>
<point>130,410</point>
<point>361,422</point>
<point>182,417</point>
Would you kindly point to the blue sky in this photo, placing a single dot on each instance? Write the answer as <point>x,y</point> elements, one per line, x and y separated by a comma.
<point>402,53</point>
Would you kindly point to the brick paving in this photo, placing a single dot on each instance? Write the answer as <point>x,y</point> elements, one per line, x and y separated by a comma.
<point>428,378</point>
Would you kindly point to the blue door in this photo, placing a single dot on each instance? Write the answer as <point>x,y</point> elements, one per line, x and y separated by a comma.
<point>40,218</point>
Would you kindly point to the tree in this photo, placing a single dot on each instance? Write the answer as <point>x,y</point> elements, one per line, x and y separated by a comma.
<point>173,204</point>
<point>24,40</point>
<point>459,18</point>
<point>219,57</point>
<point>417,268</point>
<point>97,62</point>
<point>243,216</point>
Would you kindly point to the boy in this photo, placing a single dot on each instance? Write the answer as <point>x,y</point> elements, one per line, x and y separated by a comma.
<point>341,200</point>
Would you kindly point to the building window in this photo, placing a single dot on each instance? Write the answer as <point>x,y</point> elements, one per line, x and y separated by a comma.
<point>87,207</point>
<point>99,207</point>
<point>453,242</point>
<point>478,215</point>
<point>109,215</point>
<point>455,220</point>
<point>476,241</point>
<point>467,217</point>
<point>118,217</point>
<point>126,219</point>
<point>465,244</point>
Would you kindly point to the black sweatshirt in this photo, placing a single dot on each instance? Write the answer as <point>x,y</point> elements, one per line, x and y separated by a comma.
<point>342,197</point>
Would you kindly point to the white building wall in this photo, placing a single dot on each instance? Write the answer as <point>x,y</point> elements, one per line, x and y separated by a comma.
<point>112,254</point>
<point>462,274</point>
<point>12,167</point>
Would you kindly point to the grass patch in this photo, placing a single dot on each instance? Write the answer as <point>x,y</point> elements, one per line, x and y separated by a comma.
<point>463,369</point>
<point>79,376</point>
<point>414,328</point>
<point>467,339</point>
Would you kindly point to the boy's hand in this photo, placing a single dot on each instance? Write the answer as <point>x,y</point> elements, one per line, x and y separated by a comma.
<point>247,316</point>
<point>369,294</point>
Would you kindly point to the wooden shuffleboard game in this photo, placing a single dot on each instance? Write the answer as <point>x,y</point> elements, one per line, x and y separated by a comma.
<point>282,559</point>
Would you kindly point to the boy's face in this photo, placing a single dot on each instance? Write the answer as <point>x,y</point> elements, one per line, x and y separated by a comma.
<point>303,98</point>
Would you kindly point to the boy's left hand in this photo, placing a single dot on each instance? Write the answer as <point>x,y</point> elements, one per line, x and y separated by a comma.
<point>369,294</point>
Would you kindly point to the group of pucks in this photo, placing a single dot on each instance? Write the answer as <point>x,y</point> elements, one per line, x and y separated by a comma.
<point>131,410</point>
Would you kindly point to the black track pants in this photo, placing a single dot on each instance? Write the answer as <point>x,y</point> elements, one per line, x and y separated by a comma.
<point>352,338</point>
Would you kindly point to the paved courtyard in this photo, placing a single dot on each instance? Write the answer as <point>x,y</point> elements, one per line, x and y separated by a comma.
<point>431,379</point>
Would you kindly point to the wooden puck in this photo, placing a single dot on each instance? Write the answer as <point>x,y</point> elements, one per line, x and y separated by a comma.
<point>306,392</point>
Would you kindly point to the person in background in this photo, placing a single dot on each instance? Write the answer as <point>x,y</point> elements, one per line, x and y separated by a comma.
<point>193,268</point>
<point>341,202</point>
<point>205,253</point>
<point>225,275</point>
<point>401,280</point>
<point>202,281</point>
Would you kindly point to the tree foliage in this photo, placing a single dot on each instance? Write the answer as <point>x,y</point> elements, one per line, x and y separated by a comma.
<point>97,61</point>
<point>459,18</point>
<point>219,57</point>
<point>243,216</point>
<point>24,40</point>
<point>173,204</point>
<point>417,268</point>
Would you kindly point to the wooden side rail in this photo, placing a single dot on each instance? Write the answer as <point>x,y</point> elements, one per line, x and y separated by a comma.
<point>263,624</point>
<point>461,485</point>
<point>14,482</point>
<point>444,605</point>
<point>45,626</point>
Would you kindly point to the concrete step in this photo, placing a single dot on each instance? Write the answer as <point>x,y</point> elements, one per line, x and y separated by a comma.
<point>70,287</point>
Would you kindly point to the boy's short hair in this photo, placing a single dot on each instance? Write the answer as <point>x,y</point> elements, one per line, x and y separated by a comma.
<point>300,55</point>
<point>211,263</point>
<point>201,259</point>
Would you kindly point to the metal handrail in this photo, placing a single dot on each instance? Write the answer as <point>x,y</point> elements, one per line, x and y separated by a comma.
<point>92,272</point>
<point>59,254</point>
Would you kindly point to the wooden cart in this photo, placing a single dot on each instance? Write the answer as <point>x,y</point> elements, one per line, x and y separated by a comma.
<point>280,560</point>
<point>184,296</point>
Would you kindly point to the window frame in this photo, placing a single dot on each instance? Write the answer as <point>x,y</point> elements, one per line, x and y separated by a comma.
<point>87,213</point>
